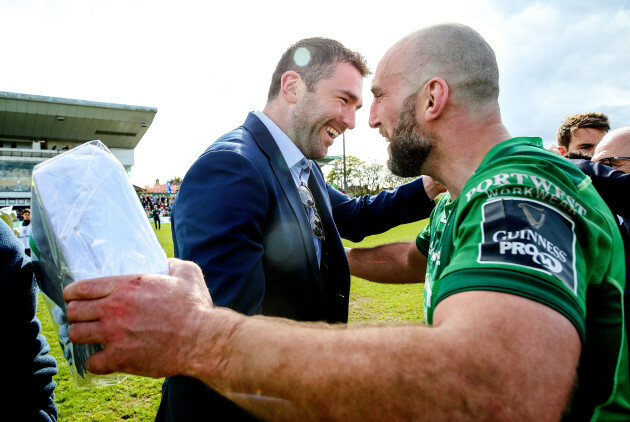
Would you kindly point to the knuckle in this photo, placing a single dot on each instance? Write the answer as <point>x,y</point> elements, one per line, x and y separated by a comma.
<point>70,311</point>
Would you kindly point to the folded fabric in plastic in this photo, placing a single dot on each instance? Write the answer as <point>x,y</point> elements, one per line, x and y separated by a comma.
<point>87,223</point>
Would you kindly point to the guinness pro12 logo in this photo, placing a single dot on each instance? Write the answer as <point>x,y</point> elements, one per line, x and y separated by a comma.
<point>529,233</point>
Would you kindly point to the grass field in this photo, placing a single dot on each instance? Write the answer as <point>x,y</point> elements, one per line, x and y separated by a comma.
<point>137,398</point>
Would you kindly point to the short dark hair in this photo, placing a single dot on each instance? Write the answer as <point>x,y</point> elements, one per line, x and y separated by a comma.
<point>318,62</point>
<point>581,121</point>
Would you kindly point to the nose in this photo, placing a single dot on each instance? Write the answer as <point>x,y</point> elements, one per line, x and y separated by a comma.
<point>374,119</point>
<point>349,117</point>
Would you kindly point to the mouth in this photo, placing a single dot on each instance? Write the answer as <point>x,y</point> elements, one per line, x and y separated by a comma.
<point>332,132</point>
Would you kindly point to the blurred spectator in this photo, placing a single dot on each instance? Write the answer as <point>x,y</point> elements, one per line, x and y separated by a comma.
<point>156,217</point>
<point>25,231</point>
<point>614,150</point>
<point>582,132</point>
<point>164,203</point>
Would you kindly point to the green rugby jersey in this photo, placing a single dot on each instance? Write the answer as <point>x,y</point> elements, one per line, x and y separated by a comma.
<point>530,223</point>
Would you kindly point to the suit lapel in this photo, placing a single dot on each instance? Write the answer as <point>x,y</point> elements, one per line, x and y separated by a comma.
<point>283,175</point>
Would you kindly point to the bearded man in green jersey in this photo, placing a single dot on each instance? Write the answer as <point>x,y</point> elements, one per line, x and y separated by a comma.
<point>524,281</point>
<point>519,227</point>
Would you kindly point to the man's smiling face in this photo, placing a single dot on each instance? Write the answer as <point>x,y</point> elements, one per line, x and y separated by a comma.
<point>326,112</point>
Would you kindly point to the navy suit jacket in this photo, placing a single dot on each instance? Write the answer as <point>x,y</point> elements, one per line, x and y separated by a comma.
<point>238,215</point>
<point>612,185</point>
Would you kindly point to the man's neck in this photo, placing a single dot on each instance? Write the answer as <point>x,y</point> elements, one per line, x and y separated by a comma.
<point>460,152</point>
<point>277,113</point>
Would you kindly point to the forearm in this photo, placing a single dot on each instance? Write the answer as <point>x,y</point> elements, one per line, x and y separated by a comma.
<point>474,363</point>
<point>283,370</point>
<point>389,263</point>
<point>303,373</point>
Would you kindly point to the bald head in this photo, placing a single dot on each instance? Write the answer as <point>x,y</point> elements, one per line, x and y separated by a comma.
<point>615,143</point>
<point>454,52</point>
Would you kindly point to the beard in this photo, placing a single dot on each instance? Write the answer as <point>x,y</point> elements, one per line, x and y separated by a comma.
<point>308,121</point>
<point>411,144</point>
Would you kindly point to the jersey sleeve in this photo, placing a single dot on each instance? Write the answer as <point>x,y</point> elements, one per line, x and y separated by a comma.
<point>527,230</point>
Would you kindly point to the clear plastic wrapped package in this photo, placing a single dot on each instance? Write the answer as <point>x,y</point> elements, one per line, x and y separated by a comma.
<point>87,223</point>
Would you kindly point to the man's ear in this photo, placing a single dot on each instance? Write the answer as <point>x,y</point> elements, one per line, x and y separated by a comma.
<point>436,90</point>
<point>291,86</point>
<point>563,150</point>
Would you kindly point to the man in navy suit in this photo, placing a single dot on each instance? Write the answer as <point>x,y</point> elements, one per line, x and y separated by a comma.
<point>255,213</point>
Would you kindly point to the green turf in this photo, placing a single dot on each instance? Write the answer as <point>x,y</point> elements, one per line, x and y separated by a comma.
<point>137,398</point>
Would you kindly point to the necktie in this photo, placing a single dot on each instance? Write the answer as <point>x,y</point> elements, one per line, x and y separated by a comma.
<point>313,217</point>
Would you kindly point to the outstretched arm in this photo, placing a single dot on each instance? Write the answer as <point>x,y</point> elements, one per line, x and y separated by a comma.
<point>394,263</point>
<point>372,214</point>
<point>489,355</point>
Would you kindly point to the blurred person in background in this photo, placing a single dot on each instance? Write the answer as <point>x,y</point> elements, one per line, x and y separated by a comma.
<point>25,231</point>
<point>582,132</point>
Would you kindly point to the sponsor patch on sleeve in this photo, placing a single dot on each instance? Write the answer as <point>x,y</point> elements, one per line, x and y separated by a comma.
<point>531,234</point>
